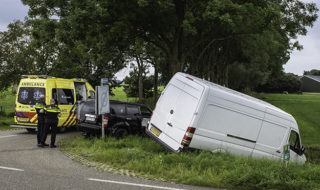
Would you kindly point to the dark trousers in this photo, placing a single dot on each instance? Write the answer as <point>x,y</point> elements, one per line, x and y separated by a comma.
<point>41,126</point>
<point>50,124</point>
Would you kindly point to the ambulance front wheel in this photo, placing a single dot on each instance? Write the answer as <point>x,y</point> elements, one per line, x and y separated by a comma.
<point>31,130</point>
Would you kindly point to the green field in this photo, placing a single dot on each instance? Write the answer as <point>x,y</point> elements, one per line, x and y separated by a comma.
<point>119,94</point>
<point>305,109</point>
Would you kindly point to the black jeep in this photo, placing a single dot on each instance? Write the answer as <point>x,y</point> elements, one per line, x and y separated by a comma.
<point>124,118</point>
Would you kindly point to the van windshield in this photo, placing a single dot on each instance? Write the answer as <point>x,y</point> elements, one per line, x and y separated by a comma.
<point>30,95</point>
<point>294,141</point>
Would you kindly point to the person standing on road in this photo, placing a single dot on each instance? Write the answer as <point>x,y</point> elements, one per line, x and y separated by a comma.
<point>51,121</point>
<point>40,112</point>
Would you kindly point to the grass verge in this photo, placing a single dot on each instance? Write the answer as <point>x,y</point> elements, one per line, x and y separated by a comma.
<point>7,101</point>
<point>5,122</point>
<point>145,157</point>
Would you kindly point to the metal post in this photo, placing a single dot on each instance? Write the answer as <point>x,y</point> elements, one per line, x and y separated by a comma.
<point>102,127</point>
<point>104,81</point>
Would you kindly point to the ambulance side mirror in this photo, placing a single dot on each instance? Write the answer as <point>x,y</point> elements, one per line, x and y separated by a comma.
<point>14,89</point>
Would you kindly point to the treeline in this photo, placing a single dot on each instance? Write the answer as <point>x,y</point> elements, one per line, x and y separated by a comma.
<point>237,43</point>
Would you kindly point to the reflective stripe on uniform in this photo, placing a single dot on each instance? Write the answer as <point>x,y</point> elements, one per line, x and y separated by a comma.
<point>52,109</point>
<point>39,106</point>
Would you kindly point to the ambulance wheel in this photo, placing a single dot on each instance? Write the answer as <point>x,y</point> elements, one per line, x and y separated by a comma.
<point>62,129</point>
<point>31,130</point>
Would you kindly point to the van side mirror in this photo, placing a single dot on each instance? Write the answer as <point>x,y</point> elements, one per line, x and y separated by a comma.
<point>301,151</point>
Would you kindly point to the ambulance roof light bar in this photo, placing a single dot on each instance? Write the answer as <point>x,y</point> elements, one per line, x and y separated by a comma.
<point>36,76</point>
<point>44,76</point>
<point>81,79</point>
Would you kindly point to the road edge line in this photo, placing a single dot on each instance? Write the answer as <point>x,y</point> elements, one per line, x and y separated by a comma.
<point>14,169</point>
<point>133,184</point>
<point>8,136</point>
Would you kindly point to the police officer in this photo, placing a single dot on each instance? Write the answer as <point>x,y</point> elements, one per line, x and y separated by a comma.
<point>40,112</point>
<point>51,121</point>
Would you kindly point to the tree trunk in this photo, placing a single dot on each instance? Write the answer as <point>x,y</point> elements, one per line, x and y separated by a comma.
<point>140,71</point>
<point>176,62</point>
<point>155,84</point>
<point>140,86</point>
<point>176,55</point>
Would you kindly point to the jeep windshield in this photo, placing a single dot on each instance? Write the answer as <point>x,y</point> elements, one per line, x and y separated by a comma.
<point>30,95</point>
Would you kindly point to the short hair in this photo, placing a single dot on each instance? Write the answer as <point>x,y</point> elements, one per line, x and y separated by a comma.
<point>52,100</point>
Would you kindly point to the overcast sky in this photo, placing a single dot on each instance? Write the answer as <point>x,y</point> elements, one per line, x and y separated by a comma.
<point>304,60</point>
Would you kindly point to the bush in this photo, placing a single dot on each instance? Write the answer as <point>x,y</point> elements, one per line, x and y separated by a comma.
<point>2,113</point>
<point>131,87</point>
<point>285,82</point>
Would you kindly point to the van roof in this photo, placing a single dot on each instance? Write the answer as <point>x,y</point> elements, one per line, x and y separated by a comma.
<point>236,93</point>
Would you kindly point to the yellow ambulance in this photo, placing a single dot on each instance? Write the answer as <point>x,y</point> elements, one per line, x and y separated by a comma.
<point>66,92</point>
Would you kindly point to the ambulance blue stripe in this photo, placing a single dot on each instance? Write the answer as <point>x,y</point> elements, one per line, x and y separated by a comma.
<point>72,108</point>
<point>23,114</point>
<point>75,110</point>
<point>17,114</point>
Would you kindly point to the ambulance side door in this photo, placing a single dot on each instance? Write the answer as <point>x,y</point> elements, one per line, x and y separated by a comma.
<point>64,95</point>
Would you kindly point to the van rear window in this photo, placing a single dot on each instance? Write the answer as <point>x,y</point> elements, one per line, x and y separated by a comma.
<point>30,95</point>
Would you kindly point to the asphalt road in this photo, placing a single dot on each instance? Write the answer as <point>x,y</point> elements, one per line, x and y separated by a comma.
<point>25,166</point>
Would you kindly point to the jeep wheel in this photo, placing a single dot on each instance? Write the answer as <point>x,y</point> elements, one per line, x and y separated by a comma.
<point>120,133</point>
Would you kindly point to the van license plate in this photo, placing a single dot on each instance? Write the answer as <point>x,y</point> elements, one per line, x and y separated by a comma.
<point>155,131</point>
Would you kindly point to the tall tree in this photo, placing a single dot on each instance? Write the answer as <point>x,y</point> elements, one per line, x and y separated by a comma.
<point>213,39</point>
<point>15,54</point>
<point>187,30</point>
<point>84,44</point>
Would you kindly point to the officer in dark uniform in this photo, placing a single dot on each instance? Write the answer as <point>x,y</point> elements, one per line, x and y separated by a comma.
<point>51,121</point>
<point>40,112</point>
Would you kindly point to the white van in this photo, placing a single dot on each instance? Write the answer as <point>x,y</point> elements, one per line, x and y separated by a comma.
<point>194,113</point>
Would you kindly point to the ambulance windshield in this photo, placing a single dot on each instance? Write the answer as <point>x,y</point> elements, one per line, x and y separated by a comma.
<point>30,95</point>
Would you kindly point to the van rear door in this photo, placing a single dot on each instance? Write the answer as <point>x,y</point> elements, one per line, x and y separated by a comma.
<point>175,110</point>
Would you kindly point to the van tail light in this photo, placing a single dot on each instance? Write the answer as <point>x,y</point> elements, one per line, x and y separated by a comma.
<point>105,122</point>
<point>188,136</point>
